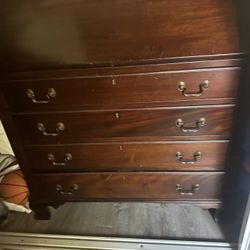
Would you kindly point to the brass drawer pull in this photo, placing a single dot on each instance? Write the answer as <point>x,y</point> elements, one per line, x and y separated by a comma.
<point>195,187</point>
<point>59,188</point>
<point>203,86</point>
<point>59,127</point>
<point>196,156</point>
<point>199,123</point>
<point>51,94</point>
<point>68,157</point>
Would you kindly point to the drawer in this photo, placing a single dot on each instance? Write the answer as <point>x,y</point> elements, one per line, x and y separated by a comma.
<point>138,186</point>
<point>171,156</point>
<point>153,124</point>
<point>151,88</point>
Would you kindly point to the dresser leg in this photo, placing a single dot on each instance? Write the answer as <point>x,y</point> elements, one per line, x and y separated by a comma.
<point>41,211</point>
<point>56,204</point>
<point>216,214</point>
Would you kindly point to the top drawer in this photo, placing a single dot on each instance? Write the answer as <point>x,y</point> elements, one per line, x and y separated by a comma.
<point>161,88</point>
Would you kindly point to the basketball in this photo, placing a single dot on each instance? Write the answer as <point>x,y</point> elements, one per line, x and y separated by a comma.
<point>13,188</point>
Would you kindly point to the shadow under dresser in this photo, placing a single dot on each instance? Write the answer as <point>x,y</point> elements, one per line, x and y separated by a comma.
<point>108,101</point>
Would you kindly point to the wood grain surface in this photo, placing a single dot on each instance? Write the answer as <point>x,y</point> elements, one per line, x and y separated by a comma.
<point>56,34</point>
<point>152,124</point>
<point>127,186</point>
<point>110,92</point>
<point>128,157</point>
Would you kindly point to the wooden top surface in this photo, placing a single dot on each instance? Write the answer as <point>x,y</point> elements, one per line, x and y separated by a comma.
<point>52,34</point>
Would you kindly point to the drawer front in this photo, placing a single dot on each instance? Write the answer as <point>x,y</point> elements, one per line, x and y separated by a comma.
<point>134,89</point>
<point>177,156</point>
<point>139,186</point>
<point>151,124</point>
<point>94,33</point>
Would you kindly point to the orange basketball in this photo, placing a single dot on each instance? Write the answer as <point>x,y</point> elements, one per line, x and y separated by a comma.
<point>13,188</point>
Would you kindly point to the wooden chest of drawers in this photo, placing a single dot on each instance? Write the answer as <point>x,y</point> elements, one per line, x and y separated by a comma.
<point>140,106</point>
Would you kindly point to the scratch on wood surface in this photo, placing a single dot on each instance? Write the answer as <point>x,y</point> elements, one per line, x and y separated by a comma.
<point>108,177</point>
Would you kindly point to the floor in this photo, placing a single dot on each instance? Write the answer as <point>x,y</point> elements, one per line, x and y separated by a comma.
<point>141,220</point>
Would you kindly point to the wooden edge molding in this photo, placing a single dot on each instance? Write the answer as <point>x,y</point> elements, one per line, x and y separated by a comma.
<point>107,71</point>
<point>9,240</point>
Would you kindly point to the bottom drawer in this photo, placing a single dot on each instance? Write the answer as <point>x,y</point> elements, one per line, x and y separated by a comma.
<point>128,186</point>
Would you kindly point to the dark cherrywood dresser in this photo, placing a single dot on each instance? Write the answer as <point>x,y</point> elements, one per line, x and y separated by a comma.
<point>120,100</point>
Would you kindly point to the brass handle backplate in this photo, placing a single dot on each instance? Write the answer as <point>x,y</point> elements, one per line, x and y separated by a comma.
<point>61,190</point>
<point>68,157</point>
<point>196,157</point>
<point>199,123</point>
<point>59,128</point>
<point>183,89</point>
<point>181,191</point>
<point>51,94</point>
